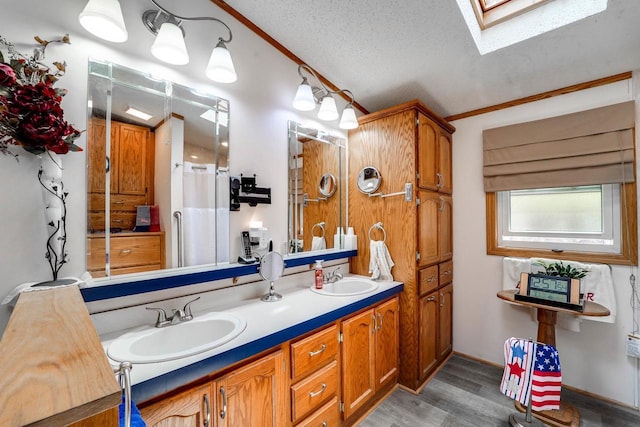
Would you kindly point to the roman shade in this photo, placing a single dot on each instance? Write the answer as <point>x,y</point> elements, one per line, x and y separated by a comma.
<point>589,147</point>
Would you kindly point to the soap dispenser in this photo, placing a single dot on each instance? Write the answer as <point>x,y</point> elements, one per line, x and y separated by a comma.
<point>319,279</point>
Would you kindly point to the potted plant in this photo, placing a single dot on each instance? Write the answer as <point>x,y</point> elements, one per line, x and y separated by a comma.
<point>561,270</point>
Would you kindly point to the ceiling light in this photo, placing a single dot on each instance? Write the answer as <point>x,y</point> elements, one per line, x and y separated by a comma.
<point>103,18</point>
<point>169,45</point>
<point>308,96</point>
<point>137,113</point>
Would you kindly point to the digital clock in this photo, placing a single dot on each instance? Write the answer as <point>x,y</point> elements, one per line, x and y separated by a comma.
<point>557,291</point>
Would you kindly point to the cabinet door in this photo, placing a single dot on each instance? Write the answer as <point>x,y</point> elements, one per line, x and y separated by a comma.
<point>445,229</point>
<point>445,178</point>
<point>428,213</point>
<point>387,344</point>
<point>428,155</point>
<point>445,321</point>
<point>132,159</point>
<point>428,334</point>
<point>97,157</point>
<point>253,395</point>
<point>358,383</point>
<point>188,409</point>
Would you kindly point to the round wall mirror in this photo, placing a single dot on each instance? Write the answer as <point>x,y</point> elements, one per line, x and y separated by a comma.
<point>369,179</point>
<point>271,269</point>
<point>327,185</point>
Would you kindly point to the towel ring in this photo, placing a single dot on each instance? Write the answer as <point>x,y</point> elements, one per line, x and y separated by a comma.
<point>321,225</point>
<point>379,226</point>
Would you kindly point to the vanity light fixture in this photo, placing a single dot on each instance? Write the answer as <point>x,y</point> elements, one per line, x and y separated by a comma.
<point>308,96</point>
<point>104,19</point>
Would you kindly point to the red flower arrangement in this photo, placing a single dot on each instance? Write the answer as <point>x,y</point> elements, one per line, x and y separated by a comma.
<point>30,111</point>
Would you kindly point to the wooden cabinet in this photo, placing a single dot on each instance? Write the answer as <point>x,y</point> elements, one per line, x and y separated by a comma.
<point>192,408</point>
<point>315,376</point>
<point>130,252</point>
<point>369,354</point>
<point>434,151</point>
<point>131,172</point>
<point>253,395</point>
<point>407,143</point>
<point>445,322</point>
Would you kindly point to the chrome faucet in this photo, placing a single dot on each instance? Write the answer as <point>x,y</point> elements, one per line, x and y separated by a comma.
<point>177,315</point>
<point>332,277</point>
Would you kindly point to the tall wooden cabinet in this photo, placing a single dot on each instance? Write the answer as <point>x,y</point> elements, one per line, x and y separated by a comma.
<point>410,144</point>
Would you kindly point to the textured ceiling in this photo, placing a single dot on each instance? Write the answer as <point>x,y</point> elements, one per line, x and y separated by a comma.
<point>390,51</point>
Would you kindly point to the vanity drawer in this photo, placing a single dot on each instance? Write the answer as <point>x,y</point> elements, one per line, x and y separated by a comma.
<point>428,278</point>
<point>312,352</point>
<point>123,220</point>
<point>445,273</point>
<point>126,251</point>
<point>308,394</point>
<point>327,416</point>
<point>119,202</point>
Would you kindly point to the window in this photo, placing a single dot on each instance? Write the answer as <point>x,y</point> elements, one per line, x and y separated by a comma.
<point>492,12</point>
<point>585,218</point>
<point>593,223</point>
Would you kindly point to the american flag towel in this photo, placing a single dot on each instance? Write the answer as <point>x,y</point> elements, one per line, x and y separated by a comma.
<point>532,371</point>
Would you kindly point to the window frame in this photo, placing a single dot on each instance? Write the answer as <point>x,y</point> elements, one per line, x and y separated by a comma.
<point>628,236</point>
<point>502,12</point>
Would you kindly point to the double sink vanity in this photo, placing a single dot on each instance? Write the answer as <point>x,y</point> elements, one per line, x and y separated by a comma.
<point>314,356</point>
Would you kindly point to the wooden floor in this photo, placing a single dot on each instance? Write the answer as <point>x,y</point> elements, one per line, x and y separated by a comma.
<point>466,393</point>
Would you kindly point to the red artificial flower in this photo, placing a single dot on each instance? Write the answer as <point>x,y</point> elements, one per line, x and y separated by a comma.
<point>7,75</point>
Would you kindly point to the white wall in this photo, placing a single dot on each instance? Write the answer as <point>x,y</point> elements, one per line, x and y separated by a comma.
<point>593,359</point>
<point>260,106</point>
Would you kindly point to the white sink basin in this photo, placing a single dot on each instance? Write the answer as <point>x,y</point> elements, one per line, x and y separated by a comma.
<point>150,345</point>
<point>347,286</point>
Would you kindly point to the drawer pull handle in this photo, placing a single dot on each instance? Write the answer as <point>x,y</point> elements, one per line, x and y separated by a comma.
<point>380,325</point>
<point>446,273</point>
<point>125,251</point>
<point>117,221</point>
<point>207,411</point>
<point>323,347</point>
<point>315,393</point>
<point>118,202</point>
<point>223,412</point>
<point>431,298</point>
<point>441,299</point>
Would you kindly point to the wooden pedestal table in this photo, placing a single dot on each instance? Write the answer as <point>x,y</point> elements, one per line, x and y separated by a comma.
<point>568,414</point>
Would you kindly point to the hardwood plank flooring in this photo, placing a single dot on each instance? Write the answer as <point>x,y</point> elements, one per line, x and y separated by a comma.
<point>465,393</point>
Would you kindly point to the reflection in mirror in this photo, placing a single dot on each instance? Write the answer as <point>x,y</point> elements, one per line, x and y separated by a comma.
<point>327,185</point>
<point>316,173</point>
<point>157,174</point>
<point>369,180</point>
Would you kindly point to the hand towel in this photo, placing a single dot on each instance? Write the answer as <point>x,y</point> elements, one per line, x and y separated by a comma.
<point>136,417</point>
<point>318,243</point>
<point>532,371</point>
<point>380,262</point>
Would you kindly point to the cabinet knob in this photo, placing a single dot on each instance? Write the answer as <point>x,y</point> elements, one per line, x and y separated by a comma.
<point>431,298</point>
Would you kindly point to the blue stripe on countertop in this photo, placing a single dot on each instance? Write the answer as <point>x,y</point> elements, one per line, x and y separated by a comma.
<point>156,386</point>
<point>97,293</point>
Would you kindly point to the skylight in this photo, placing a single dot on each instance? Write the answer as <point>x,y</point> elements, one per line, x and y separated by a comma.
<point>513,21</point>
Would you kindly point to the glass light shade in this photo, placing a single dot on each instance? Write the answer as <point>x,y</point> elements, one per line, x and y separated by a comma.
<point>103,18</point>
<point>348,119</point>
<point>169,45</point>
<point>304,100</point>
<point>220,68</point>
<point>328,110</point>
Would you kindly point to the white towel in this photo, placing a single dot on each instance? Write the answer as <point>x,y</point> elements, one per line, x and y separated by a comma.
<point>380,262</point>
<point>318,243</point>
<point>597,286</point>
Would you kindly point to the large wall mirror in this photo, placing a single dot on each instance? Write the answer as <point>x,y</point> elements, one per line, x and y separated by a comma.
<point>317,189</point>
<point>157,174</point>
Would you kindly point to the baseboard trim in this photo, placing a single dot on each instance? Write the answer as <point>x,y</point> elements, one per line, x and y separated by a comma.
<point>569,387</point>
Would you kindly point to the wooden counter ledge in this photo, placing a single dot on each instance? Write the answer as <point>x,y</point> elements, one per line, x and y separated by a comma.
<point>53,369</point>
